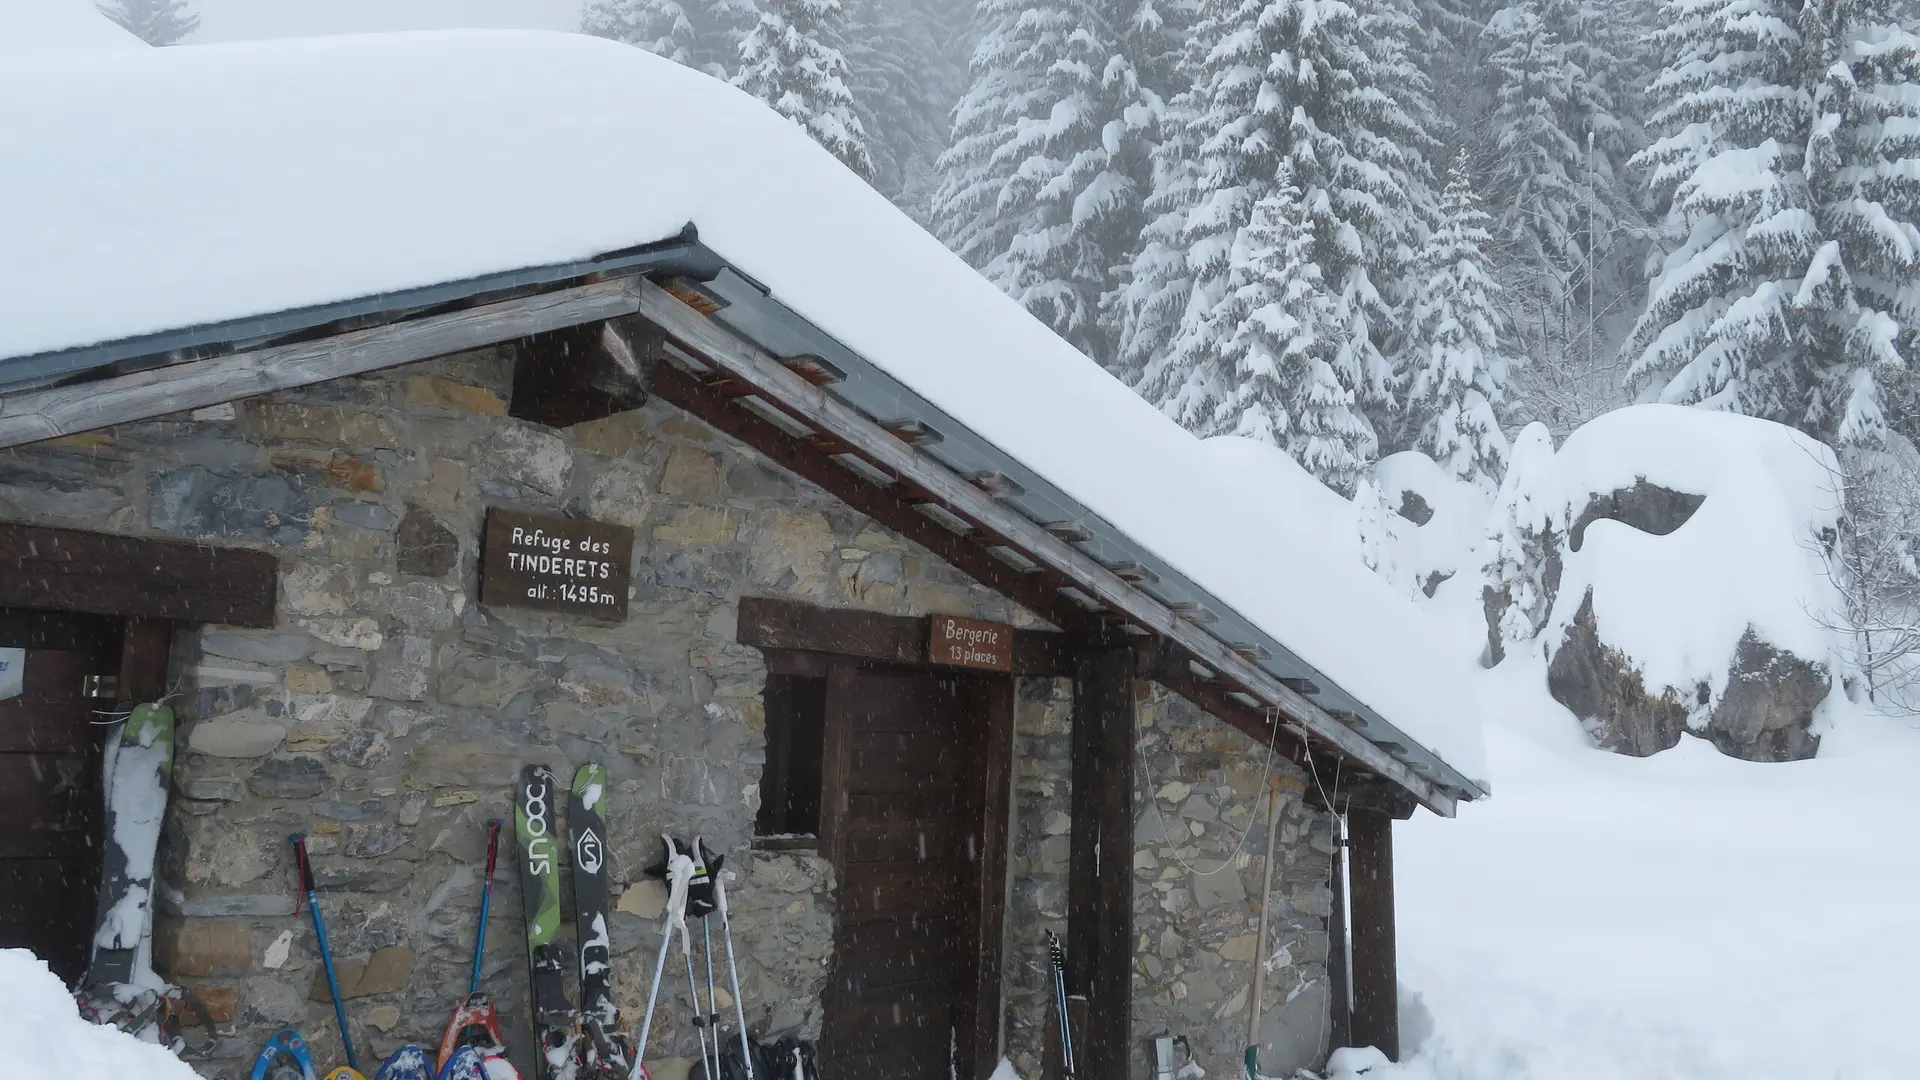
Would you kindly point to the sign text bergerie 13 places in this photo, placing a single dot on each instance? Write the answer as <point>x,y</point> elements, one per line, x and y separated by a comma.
<point>556,564</point>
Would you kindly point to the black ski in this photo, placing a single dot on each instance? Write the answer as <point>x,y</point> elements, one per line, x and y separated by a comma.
<point>603,1053</point>
<point>533,824</point>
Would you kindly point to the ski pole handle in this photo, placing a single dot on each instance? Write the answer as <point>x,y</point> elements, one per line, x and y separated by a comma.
<point>305,868</point>
<point>493,846</point>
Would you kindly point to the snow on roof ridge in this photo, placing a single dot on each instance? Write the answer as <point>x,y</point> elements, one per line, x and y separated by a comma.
<point>351,166</point>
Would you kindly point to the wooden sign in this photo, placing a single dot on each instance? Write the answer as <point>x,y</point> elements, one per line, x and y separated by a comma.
<point>969,643</point>
<point>556,564</point>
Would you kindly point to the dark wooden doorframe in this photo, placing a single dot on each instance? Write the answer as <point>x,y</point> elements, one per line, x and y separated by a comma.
<point>987,810</point>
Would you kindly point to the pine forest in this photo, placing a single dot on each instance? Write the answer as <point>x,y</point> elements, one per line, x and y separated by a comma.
<point>1353,227</point>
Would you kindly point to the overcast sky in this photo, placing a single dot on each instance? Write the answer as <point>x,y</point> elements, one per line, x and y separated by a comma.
<point>240,20</point>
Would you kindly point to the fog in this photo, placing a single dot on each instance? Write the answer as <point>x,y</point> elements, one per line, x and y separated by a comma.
<point>242,20</point>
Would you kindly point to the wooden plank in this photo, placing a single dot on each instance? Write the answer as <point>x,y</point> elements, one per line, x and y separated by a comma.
<point>39,728</point>
<point>46,414</point>
<point>981,1026</point>
<point>50,802</point>
<point>773,624</point>
<point>145,650</point>
<point>58,630</point>
<point>70,570</point>
<point>836,761</point>
<point>747,362</point>
<point>1100,889</point>
<point>1376,1002</point>
<point>54,676</point>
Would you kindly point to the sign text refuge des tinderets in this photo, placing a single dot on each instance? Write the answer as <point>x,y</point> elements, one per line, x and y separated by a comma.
<point>556,564</point>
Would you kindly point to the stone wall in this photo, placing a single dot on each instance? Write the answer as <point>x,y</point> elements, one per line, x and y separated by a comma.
<point>1200,838</point>
<point>387,715</point>
<point>1198,788</point>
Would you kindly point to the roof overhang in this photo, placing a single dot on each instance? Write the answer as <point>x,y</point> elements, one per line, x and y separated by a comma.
<point>725,327</point>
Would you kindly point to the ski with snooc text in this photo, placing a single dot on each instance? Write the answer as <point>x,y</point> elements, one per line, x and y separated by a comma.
<point>603,1050</point>
<point>533,824</point>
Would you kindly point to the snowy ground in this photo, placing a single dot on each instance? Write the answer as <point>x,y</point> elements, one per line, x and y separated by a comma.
<point>1686,916</point>
<point>43,1038</point>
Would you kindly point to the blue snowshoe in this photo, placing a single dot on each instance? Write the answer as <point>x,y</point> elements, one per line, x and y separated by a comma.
<point>467,1063</point>
<point>285,1057</point>
<point>406,1063</point>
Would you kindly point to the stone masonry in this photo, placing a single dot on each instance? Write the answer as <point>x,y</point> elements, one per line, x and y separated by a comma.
<point>1199,841</point>
<point>387,716</point>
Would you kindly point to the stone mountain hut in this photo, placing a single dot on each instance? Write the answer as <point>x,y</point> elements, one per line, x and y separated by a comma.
<point>310,350</point>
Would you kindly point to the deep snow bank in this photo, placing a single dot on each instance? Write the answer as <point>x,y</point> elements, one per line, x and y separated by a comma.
<point>1685,917</point>
<point>42,1036</point>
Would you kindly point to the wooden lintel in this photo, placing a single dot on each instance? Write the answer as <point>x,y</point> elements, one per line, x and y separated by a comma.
<point>47,414</point>
<point>787,625</point>
<point>98,574</point>
<point>725,415</point>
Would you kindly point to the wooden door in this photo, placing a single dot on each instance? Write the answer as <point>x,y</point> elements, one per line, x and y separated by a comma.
<point>912,778</point>
<point>50,799</point>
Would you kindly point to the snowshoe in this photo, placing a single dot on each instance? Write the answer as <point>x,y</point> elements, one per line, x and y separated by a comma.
<point>475,1023</point>
<point>345,1073</point>
<point>406,1063</point>
<point>473,1063</point>
<point>285,1057</point>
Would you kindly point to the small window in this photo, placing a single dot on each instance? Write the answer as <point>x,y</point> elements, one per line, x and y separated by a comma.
<point>790,783</point>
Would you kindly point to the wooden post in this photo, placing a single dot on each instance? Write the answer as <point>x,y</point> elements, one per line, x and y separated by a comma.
<point>1376,1000</point>
<point>1100,868</point>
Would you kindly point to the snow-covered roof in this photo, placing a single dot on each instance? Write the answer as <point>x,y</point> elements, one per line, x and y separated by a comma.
<point>178,188</point>
<point>31,27</point>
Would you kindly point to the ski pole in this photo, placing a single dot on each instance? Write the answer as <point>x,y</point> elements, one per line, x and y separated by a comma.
<point>486,904</point>
<point>679,873</point>
<point>1058,958</point>
<point>733,972</point>
<point>299,841</point>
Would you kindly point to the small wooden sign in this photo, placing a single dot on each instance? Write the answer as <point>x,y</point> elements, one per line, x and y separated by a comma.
<point>969,643</point>
<point>556,564</point>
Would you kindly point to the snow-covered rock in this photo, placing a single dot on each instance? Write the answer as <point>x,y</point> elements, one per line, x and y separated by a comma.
<point>1671,566</point>
<point>1419,527</point>
<point>42,1036</point>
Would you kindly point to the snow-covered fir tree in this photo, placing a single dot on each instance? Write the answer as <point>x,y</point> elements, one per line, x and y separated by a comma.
<point>1324,89</point>
<point>1043,185</point>
<point>1790,287</point>
<point>909,67</point>
<point>702,34</point>
<point>793,61</point>
<point>156,22</point>
<point>1460,377</point>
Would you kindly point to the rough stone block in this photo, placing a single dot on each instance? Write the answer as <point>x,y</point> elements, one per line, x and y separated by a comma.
<point>530,457</point>
<point>384,972</point>
<point>423,546</point>
<point>222,1003</point>
<point>436,392</point>
<point>255,647</point>
<point>290,778</point>
<point>201,947</point>
<point>235,737</point>
<point>200,504</point>
<point>401,669</point>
